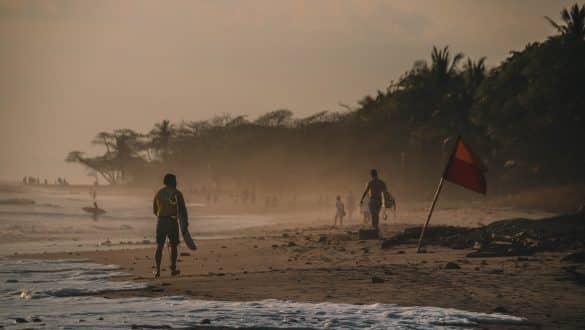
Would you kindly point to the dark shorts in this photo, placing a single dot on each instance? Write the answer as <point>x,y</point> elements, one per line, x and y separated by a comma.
<point>375,206</point>
<point>167,227</point>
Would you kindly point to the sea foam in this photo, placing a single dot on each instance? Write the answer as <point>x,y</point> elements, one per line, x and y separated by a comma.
<point>60,295</point>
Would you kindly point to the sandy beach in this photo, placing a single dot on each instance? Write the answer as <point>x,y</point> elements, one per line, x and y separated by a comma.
<point>321,264</point>
<point>351,165</point>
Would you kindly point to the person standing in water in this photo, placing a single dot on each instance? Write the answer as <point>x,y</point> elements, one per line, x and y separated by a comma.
<point>376,189</point>
<point>340,211</point>
<point>168,206</point>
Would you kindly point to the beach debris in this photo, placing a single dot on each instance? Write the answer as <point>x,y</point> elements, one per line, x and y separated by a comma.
<point>185,254</point>
<point>156,289</point>
<point>322,238</point>
<point>11,281</point>
<point>146,326</point>
<point>291,243</point>
<point>20,320</point>
<point>206,321</point>
<point>368,234</point>
<point>575,275</point>
<point>36,319</point>
<point>502,249</point>
<point>25,294</point>
<point>107,242</point>
<point>575,257</point>
<point>387,244</point>
<point>514,237</point>
<point>452,265</point>
<point>376,280</point>
<point>501,310</point>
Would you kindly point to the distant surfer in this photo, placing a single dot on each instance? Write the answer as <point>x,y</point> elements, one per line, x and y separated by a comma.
<point>377,191</point>
<point>94,210</point>
<point>168,206</point>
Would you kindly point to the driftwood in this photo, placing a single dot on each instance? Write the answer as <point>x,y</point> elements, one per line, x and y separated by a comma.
<point>514,237</point>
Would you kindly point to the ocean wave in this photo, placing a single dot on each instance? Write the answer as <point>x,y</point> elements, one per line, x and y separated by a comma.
<point>181,312</point>
<point>61,295</point>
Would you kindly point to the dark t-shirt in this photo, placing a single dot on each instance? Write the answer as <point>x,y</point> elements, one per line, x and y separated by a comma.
<point>169,202</point>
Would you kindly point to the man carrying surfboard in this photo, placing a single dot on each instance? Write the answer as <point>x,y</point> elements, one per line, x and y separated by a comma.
<point>169,207</point>
<point>378,193</point>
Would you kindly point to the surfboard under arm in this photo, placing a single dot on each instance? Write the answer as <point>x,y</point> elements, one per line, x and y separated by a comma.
<point>189,241</point>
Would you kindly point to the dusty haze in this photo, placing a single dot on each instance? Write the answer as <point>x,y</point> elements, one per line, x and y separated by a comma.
<point>73,68</point>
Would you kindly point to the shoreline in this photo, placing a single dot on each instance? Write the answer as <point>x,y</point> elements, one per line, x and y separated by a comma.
<point>300,265</point>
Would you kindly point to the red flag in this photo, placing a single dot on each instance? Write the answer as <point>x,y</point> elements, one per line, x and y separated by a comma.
<point>465,169</point>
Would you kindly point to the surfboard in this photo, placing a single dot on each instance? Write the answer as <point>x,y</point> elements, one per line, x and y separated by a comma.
<point>93,210</point>
<point>189,241</point>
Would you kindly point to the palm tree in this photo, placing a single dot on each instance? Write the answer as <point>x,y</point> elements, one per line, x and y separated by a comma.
<point>574,22</point>
<point>161,136</point>
<point>474,73</point>
<point>442,66</point>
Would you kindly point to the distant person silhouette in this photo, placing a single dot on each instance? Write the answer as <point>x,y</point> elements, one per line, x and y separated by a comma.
<point>376,189</point>
<point>339,211</point>
<point>168,205</point>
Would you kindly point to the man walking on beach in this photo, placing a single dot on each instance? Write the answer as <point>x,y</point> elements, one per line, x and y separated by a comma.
<point>168,206</point>
<point>376,189</point>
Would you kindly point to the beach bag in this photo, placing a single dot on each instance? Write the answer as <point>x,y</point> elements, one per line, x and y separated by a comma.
<point>389,201</point>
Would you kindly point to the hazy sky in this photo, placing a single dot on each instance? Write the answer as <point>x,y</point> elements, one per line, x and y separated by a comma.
<point>69,69</point>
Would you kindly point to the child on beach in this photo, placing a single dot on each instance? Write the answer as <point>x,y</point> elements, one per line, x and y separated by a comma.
<point>340,212</point>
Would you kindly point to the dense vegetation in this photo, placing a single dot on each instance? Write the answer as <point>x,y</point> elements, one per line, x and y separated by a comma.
<point>525,118</point>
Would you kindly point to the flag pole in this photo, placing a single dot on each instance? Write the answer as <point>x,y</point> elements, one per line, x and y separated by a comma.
<point>437,192</point>
<point>422,232</point>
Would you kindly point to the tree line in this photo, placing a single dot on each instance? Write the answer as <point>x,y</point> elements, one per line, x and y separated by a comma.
<point>525,117</point>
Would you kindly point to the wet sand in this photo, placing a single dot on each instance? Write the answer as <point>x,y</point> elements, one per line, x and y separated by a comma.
<point>299,265</point>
